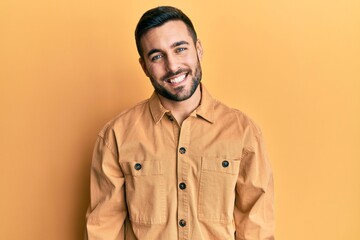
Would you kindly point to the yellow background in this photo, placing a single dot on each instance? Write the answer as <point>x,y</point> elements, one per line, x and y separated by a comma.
<point>67,67</point>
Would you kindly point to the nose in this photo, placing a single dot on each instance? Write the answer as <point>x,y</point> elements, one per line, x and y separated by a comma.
<point>172,63</point>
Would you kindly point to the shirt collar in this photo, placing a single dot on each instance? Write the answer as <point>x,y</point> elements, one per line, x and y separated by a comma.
<point>156,108</point>
<point>205,109</point>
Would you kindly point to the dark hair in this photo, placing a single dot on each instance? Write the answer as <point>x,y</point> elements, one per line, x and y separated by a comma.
<point>158,16</point>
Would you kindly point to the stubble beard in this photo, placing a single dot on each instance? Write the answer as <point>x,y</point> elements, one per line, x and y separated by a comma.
<point>181,93</point>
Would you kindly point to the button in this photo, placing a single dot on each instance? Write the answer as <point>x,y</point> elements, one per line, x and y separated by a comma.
<point>182,186</point>
<point>182,150</point>
<point>171,118</point>
<point>182,223</point>
<point>137,166</point>
<point>225,163</point>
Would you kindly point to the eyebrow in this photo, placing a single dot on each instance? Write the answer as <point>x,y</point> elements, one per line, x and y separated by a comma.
<point>174,45</point>
<point>154,50</point>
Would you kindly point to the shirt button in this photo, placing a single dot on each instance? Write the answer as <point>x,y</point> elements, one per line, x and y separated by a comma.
<point>137,166</point>
<point>182,223</point>
<point>182,150</point>
<point>225,163</point>
<point>182,186</point>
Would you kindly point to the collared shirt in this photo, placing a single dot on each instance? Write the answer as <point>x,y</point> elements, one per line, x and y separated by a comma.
<point>208,179</point>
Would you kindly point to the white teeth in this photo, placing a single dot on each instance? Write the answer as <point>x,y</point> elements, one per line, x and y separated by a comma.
<point>177,79</point>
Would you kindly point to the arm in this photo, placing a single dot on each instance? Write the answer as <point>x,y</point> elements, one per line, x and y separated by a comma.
<point>107,211</point>
<point>254,202</point>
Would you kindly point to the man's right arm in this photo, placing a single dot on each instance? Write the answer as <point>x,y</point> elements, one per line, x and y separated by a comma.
<point>107,211</point>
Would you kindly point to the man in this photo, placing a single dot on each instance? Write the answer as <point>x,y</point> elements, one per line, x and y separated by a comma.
<point>180,165</point>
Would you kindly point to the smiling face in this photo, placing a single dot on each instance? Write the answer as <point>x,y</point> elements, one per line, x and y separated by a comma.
<point>171,60</point>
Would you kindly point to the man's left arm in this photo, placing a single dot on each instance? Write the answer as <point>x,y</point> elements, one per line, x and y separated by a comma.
<point>254,202</point>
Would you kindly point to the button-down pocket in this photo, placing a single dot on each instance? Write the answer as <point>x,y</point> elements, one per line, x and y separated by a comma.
<point>145,191</point>
<point>217,189</point>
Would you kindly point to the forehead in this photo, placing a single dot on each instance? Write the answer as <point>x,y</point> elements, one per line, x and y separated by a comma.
<point>165,35</point>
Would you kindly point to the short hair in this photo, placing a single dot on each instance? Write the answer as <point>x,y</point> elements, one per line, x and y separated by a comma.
<point>158,16</point>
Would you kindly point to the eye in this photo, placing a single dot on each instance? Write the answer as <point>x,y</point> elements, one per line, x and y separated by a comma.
<point>181,49</point>
<point>156,57</point>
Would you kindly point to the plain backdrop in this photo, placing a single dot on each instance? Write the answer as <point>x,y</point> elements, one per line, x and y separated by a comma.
<point>67,67</point>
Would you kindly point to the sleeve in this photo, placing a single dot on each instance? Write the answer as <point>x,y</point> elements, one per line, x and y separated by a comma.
<point>254,201</point>
<point>107,211</point>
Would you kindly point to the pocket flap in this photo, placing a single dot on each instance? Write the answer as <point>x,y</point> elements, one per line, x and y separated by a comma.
<point>141,168</point>
<point>224,165</point>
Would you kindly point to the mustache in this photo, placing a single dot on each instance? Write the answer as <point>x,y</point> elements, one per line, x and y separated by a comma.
<point>172,74</point>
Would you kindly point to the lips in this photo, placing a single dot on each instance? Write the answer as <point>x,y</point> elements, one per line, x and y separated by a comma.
<point>178,79</point>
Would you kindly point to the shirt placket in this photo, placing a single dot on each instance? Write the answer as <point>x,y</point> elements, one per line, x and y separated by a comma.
<point>182,180</point>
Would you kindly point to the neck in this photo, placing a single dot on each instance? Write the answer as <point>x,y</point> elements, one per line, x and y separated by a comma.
<point>182,109</point>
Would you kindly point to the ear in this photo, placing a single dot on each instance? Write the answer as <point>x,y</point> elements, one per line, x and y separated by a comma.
<point>199,49</point>
<point>143,66</point>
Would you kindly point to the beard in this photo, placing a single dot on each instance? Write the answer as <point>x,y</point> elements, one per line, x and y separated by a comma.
<point>181,93</point>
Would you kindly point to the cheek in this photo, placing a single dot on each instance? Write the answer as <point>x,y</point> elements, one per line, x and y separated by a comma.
<point>193,59</point>
<point>193,64</point>
<point>155,70</point>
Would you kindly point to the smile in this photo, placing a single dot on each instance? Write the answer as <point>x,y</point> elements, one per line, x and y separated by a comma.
<point>178,79</point>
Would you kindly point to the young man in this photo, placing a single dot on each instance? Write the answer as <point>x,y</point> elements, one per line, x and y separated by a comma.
<point>180,165</point>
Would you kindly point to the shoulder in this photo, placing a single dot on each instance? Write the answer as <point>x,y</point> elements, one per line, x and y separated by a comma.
<point>232,115</point>
<point>224,111</point>
<point>124,118</point>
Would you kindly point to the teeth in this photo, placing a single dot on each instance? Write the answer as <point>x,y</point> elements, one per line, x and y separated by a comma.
<point>177,79</point>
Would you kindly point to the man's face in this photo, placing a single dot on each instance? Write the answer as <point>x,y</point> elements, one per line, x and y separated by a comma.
<point>171,60</point>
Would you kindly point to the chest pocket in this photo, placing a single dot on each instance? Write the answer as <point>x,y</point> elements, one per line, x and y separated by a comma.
<point>217,189</point>
<point>145,191</point>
